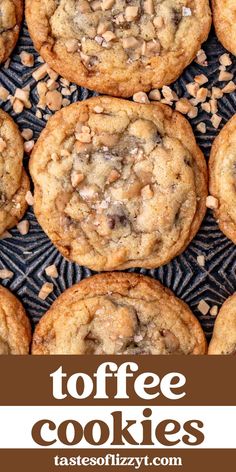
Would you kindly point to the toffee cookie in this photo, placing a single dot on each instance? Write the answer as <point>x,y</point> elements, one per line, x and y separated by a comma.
<point>224,334</point>
<point>222,170</point>
<point>118,47</point>
<point>224,14</point>
<point>118,313</point>
<point>14,182</point>
<point>11,12</point>
<point>119,184</point>
<point>15,332</point>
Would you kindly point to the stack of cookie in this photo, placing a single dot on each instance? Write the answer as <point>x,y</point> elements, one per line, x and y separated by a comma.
<point>117,184</point>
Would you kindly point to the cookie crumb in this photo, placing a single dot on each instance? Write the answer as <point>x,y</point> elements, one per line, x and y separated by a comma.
<point>203,307</point>
<point>52,271</point>
<point>6,274</point>
<point>46,289</point>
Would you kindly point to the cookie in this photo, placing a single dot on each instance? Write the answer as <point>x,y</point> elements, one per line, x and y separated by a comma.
<point>222,170</point>
<point>14,182</point>
<point>118,184</point>
<point>224,14</point>
<point>224,334</point>
<point>118,313</point>
<point>11,13</point>
<point>15,332</point>
<point>115,47</point>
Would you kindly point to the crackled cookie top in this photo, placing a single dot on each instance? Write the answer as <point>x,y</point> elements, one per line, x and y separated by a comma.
<point>224,12</point>
<point>118,47</point>
<point>10,20</point>
<point>15,332</point>
<point>118,313</point>
<point>224,334</point>
<point>118,184</point>
<point>222,171</point>
<point>14,182</point>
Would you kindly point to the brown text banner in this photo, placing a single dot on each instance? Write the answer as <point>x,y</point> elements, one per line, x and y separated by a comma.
<point>181,460</point>
<point>25,380</point>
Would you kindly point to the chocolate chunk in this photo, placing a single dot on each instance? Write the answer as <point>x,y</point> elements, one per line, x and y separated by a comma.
<point>117,220</point>
<point>176,16</point>
<point>187,161</point>
<point>170,340</point>
<point>3,198</point>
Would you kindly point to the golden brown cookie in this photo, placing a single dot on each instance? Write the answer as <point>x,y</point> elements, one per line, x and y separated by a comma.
<point>11,12</point>
<point>117,47</point>
<point>119,184</point>
<point>224,14</point>
<point>222,170</point>
<point>15,331</point>
<point>224,334</point>
<point>118,313</point>
<point>14,182</point>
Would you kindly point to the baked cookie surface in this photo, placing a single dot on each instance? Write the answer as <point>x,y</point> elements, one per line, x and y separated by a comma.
<point>11,12</point>
<point>118,184</point>
<point>115,47</point>
<point>222,170</point>
<point>118,313</point>
<point>15,332</point>
<point>224,334</point>
<point>14,182</point>
<point>224,14</point>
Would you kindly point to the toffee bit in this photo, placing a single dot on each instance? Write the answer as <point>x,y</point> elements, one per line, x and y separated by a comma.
<point>203,307</point>
<point>45,291</point>
<point>6,274</point>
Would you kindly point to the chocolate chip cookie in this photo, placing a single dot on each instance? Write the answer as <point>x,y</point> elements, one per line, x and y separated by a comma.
<point>222,170</point>
<point>15,332</point>
<point>14,182</point>
<point>119,184</point>
<point>117,47</point>
<point>224,14</point>
<point>11,12</point>
<point>118,313</point>
<point>224,334</point>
